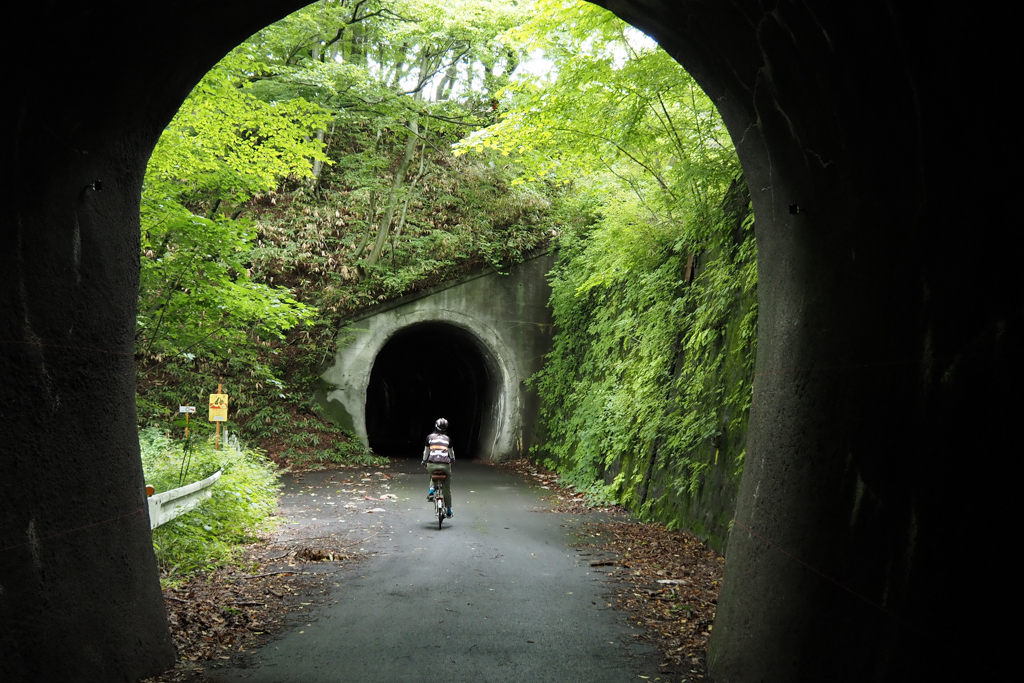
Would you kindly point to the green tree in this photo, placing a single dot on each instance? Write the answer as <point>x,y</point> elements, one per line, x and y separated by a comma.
<point>415,73</point>
<point>654,291</point>
<point>313,168</point>
<point>197,301</point>
<point>612,102</point>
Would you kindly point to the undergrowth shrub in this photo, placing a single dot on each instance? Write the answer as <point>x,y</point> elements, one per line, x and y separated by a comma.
<point>242,506</point>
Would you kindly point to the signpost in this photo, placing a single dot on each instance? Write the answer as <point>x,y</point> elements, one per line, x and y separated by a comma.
<point>218,412</point>
<point>188,410</point>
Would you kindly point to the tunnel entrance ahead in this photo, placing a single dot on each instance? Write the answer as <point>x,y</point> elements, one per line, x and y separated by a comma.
<point>424,372</point>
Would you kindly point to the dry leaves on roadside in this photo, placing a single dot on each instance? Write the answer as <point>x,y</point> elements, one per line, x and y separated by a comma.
<point>670,583</point>
<point>215,617</point>
<point>564,499</point>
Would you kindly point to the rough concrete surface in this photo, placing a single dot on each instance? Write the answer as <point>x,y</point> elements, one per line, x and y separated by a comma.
<point>507,319</point>
<point>497,594</point>
<point>891,321</point>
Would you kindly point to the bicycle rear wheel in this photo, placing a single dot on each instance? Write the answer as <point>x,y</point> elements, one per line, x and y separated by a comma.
<point>440,482</point>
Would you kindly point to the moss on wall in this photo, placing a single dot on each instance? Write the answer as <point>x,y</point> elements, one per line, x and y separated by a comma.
<point>706,505</point>
<point>646,393</point>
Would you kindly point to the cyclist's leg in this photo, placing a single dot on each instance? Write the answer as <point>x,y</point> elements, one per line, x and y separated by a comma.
<point>448,498</point>
<point>446,486</point>
<point>431,468</point>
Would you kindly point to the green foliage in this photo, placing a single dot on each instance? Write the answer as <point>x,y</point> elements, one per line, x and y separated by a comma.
<point>613,101</point>
<point>308,441</point>
<point>310,176</point>
<point>225,143</point>
<point>242,506</point>
<point>199,308</point>
<point>645,365</point>
<point>649,380</point>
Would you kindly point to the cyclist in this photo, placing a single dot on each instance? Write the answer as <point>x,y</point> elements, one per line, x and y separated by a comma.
<point>438,456</point>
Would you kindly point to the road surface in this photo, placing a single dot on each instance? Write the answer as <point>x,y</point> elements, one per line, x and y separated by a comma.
<point>497,594</point>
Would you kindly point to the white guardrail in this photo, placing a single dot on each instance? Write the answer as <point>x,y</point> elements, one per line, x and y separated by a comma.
<point>163,507</point>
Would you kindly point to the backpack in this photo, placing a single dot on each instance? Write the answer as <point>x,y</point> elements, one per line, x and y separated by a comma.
<point>438,445</point>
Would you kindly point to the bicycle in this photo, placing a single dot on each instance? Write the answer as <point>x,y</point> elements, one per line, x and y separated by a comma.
<point>437,480</point>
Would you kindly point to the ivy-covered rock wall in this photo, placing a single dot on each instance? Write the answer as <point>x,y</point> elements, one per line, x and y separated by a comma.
<point>646,393</point>
<point>707,503</point>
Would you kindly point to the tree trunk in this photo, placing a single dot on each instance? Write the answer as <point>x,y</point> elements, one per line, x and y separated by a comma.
<point>403,168</point>
<point>396,189</point>
<point>444,87</point>
<point>408,196</point>
<point>318,165</point>
<point>370,214</point>
<point>358,54</point>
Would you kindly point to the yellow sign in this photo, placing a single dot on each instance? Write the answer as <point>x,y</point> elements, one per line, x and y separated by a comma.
<point>218,407</point>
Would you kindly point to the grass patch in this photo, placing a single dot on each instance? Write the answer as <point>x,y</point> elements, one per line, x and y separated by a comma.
<point>242,506</point>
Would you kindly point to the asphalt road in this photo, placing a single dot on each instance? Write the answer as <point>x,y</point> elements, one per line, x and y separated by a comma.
<point>496,595</point>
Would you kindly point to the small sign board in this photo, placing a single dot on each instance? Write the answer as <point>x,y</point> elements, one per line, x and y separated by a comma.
<point>186,409</point>
<point>218,407</point>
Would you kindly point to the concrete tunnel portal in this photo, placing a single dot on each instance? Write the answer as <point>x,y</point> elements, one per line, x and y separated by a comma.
<point>424,372</point>
<point>462,350</point>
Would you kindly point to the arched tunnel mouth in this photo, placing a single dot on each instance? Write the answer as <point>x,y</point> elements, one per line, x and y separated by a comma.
<point>424,372</point>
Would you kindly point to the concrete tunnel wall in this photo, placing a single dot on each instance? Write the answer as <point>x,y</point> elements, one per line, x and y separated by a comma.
<point>891,322</point>
<point>505,317</point>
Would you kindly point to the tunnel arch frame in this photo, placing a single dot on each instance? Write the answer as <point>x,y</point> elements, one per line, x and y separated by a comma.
<point>844,237</point>
<point>350,375</point>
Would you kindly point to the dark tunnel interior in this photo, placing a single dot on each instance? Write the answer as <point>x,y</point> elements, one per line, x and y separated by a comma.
<point>424,372</point>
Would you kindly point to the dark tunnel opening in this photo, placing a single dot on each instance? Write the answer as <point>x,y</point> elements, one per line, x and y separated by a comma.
<point>424,372</point>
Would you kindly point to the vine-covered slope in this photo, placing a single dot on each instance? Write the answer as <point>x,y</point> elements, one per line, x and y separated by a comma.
<point>647,390</point>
